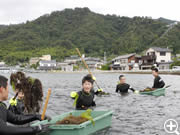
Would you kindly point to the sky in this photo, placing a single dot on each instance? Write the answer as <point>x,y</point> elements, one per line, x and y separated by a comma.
<point>19,11</point>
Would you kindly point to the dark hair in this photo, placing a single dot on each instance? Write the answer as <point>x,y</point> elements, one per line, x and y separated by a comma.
<point>3,81</point>
<point>87,78</point>
<point>155,69</point>
<point>121,77</point>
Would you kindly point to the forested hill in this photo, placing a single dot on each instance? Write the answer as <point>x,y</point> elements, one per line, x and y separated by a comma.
<point>60,32</point>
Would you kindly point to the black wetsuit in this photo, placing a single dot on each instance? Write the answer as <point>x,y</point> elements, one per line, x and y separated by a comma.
<point>19,108</point>
<point>8,116</point>
<point>158,83</point>
<point>85,100</point>
<point>123,88</point>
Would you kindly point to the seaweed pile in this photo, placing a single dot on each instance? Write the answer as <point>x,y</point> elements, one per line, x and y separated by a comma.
<point>72,120</point>
<point>85,116</point>
<point>32,89</point>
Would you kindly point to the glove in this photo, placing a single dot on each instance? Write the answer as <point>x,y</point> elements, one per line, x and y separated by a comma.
<point>136,92</point>
<point>100,90</point>
<point>73,94</point>
<point>38,116</point>
<point>47,118</point>
<point>13,102</point>
<point>94,78</point>
<point>41,128</point>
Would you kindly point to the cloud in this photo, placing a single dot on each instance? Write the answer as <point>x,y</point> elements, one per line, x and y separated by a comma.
<point>18,11</point>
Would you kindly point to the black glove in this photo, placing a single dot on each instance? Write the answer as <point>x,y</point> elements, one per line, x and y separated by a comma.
<point>47,118</point>
<point>38,116</point>
<point>41,128</point>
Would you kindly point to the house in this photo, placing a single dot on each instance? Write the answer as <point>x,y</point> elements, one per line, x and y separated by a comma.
<point>72,59</point>
<point>126,62</point>
<point>2,64</point>
<point>64,66</point>
<point>34,61</point>
<point>148,61</point>
<point>162,57</point>
<point>47,65</point>
<point>94,63</point>
<point>178,55</point>
<point>46,57</point>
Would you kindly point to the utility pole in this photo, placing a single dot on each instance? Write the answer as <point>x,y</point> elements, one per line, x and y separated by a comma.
<point>105,61</point>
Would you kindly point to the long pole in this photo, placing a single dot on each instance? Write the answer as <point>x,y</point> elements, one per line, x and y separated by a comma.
<point>46,103</point>
<point>86,66</point>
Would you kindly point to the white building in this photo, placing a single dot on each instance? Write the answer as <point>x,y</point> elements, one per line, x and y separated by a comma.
<point>35,60</point>
<point>72,59</point>
<point>65,66</point>
<point>162,55</point>
<point>47,65</point>
<point>2,64</point>
<point>94,63</point>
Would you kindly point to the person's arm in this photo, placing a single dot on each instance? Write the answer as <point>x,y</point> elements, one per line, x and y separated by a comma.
<point>132,89</point>
<point>154,85</point>
<point>117,89</point>
<point>162,84</point>
<point>10,130</point>
<point>98,92</point>
<point>78,102</point>
<point>21,119</point>
<point>93,103</point>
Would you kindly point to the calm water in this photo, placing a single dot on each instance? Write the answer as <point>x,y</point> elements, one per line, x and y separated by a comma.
<point>133,114</point>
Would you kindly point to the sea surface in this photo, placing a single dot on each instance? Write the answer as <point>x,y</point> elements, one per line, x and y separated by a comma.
<point>134,114</point>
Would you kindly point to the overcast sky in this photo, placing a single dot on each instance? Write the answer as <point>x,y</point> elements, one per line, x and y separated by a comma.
<point>18,11</point>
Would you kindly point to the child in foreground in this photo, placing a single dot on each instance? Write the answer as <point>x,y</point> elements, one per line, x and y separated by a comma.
<point>85,98</point>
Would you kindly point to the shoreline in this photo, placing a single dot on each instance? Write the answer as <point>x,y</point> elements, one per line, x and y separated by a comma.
<point>170,72</point>
<point>164,72</point>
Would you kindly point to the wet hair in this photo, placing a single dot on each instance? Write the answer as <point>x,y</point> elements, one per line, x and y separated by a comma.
<point>87,78</point>
<point>155,69</point>
<point>3,81</point>
<point>121,77</point>
<point>16,79</point>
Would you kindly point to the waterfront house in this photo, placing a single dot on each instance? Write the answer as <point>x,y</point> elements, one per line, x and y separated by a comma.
<point>34,61</point>
<point>64,66</point>
<point>126,62</point>
<point>94,63</point>
<point>47,65</point>
<point>46,57</point>
<point>148,61</point>
<point>160,57</point>
<point>72,59</point>
<point>2,64</point>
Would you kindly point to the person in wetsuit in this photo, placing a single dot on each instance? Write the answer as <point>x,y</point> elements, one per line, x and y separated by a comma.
<point>8,116</point>
<point>17,105</point>
<point>158,82</point>
<point>123,87</point>
<point>85,98</point>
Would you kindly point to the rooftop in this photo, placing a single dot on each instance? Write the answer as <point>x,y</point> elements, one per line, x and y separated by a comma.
<point>124,56</point>
<point>158,49</point>
<point>48,61</point>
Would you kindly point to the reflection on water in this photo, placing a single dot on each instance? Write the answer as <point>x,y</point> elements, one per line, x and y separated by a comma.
<point>133,114</point>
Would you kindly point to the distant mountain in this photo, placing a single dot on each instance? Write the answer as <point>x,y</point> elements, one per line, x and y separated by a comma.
<point>2,26</point>
<point>168,21</point>
<point>60,32</point>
